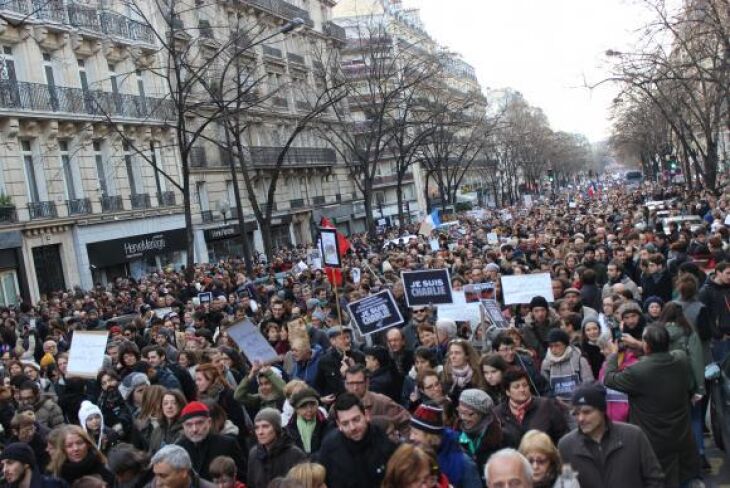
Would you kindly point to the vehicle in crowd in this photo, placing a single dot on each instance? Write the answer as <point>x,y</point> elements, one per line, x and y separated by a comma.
<point>691,222</point>
<point>659,204</point>
<point>634,178</point>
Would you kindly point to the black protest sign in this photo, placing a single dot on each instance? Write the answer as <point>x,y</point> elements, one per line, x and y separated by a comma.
<point>494,314</point>
<point>205,297</point>
<point>375,313</point>
<point>427,287</point>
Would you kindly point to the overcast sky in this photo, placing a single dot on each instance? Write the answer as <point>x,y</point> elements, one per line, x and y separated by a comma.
<point>546,49</point>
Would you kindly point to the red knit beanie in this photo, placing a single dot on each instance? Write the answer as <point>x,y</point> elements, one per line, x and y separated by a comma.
<point>194,409</point>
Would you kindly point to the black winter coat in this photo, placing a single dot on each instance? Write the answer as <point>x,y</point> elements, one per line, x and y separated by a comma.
<point>351,464</point>
<point>543,414</point>
<point>265,465</point>
<point>320,430</point>
<point>202,453</point>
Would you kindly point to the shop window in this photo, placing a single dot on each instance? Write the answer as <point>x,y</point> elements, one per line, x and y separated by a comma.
<point>9,289</point>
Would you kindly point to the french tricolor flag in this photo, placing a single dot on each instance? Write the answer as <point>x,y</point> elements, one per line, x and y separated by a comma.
<point>431,222</point>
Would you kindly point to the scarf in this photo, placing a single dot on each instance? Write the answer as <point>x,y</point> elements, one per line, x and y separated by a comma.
<point>519,411</point>
<point>558,359</point>
<point>306,432</point>
<point>71,471</point>
<point>462,376</point>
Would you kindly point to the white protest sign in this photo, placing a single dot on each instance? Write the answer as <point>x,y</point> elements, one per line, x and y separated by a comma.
<point>435,246</point>
<point>523,288</point>
<point>302,266</point>
<point>727,220</point>
<point>460,311</point>
<point>86,356</point>
<point>252,343</point>
<point>492,238</point>
<point>355,272</point>
<point>161,312</point>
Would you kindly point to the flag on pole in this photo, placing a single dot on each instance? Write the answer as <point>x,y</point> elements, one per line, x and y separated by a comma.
<point>431,222</point>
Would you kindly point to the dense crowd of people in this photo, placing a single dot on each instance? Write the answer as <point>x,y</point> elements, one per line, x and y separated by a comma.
<point>603,386</point>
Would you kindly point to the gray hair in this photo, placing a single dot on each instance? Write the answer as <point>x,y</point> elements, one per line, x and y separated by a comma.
<point>176,456</point>
<point>505,454</point>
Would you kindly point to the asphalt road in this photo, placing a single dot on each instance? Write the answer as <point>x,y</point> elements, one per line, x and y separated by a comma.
<point>720,475</point>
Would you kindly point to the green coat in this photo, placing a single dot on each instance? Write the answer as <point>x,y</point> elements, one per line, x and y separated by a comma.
<point>659,390</point>
<point>692,346</point>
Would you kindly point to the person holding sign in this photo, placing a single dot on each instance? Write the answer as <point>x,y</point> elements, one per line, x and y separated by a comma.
<point>564,366</point>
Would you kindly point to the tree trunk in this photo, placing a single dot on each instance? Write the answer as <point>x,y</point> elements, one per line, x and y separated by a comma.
<point>369,220</point>
<point>265,225</point>
<point>399,195</point>
<point>239,210</point>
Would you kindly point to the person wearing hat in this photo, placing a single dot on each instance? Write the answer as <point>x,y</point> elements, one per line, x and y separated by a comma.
<point>308,426</point>
<point>329,380</point>
<point>428,431</point>
<point>523,412</point>
<point>274,453</point>
<point>606,453</point>
<point>564,366</point>
<point>538,323</point>
<point>480,433</point>
<point>632,326</point>
<point>202,444</point>
<point>575,301</point>
<point>20,469</point>
<point>652,309</point>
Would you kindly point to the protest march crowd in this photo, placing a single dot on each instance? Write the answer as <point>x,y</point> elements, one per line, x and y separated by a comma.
<point>581,363</point>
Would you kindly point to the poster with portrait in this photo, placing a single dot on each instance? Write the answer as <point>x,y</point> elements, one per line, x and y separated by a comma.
<point>330,248</point>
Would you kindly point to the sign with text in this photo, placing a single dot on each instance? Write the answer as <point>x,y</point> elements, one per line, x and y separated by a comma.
<point>494,313</point>
<point>460,310</point>
<point>86,356</point>
<point>523,288</point>
<point>375,313</point>
<point>478,291</point>
<point>251,342</point>
<point>427,287</point>
<point>205,297</point>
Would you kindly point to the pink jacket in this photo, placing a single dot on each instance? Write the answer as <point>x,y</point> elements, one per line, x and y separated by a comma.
<point>617,407</point>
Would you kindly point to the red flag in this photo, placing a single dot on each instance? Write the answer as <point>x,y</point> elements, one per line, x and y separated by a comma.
<point>334,276</point>
<point>342,241</point>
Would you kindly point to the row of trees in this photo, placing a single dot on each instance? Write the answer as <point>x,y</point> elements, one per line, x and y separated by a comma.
<point>375,98</point>
<point>673,105</point>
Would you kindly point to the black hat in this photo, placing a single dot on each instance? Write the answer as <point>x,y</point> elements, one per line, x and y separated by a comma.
<point>558,335</point>
<point>538,302</point>
<point>590,395</point>
<point>19,451</point>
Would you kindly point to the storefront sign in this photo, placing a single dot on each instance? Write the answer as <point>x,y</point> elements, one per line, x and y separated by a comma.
<point>228,231</point>
<point>116,251</point>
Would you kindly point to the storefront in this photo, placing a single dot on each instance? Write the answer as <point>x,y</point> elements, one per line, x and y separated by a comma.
<point>225,242</point>
<point>130,248</point>
<point>137,255</point>
<point>13,283</point>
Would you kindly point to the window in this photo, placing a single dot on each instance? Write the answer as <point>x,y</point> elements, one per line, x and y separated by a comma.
<point>31,176</point>
<point>135,179</point>
<point>7,65</point>
<point>379,197</point>
<point>202,192</point>
<point>158,164</point>
<point>231,193</point>
<point>101,170</point>
<point>9,289</point>
<point>140,83</point>
<point>68,178</point>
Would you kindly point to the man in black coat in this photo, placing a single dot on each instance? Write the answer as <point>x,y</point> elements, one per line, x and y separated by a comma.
<point>20,469</point>
<point>656,281</point>
<point>356,454</point>
<point>204,446</point>
<point>329,381</point>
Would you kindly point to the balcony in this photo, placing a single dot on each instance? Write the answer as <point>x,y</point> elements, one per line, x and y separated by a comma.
<point>140,201</point>
<point>263,207</point>
<point>78,206</point>
<point>282,9</point>
<point>318,200</point>
<point>296,203</point>
<point>295,58</point>
<point>82,16</point>
<point>273,52</point>
<point>280,102</point>
<point>338,197</point>
<point>8,214</point>
<point>391,179</point>
<point>207,216</point>
<point>111,203</point>
<point>166,199</point>
<point>334,31</point>
<point>25,96</point>
<point>42,210</point>
<point>295,156</point>
<point>303,106</point>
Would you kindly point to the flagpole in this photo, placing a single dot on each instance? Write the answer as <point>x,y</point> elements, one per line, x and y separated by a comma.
<point>337,298</point>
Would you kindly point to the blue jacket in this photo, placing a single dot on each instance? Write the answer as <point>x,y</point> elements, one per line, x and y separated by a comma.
<point>307,370</point>
<point>458,467</point>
